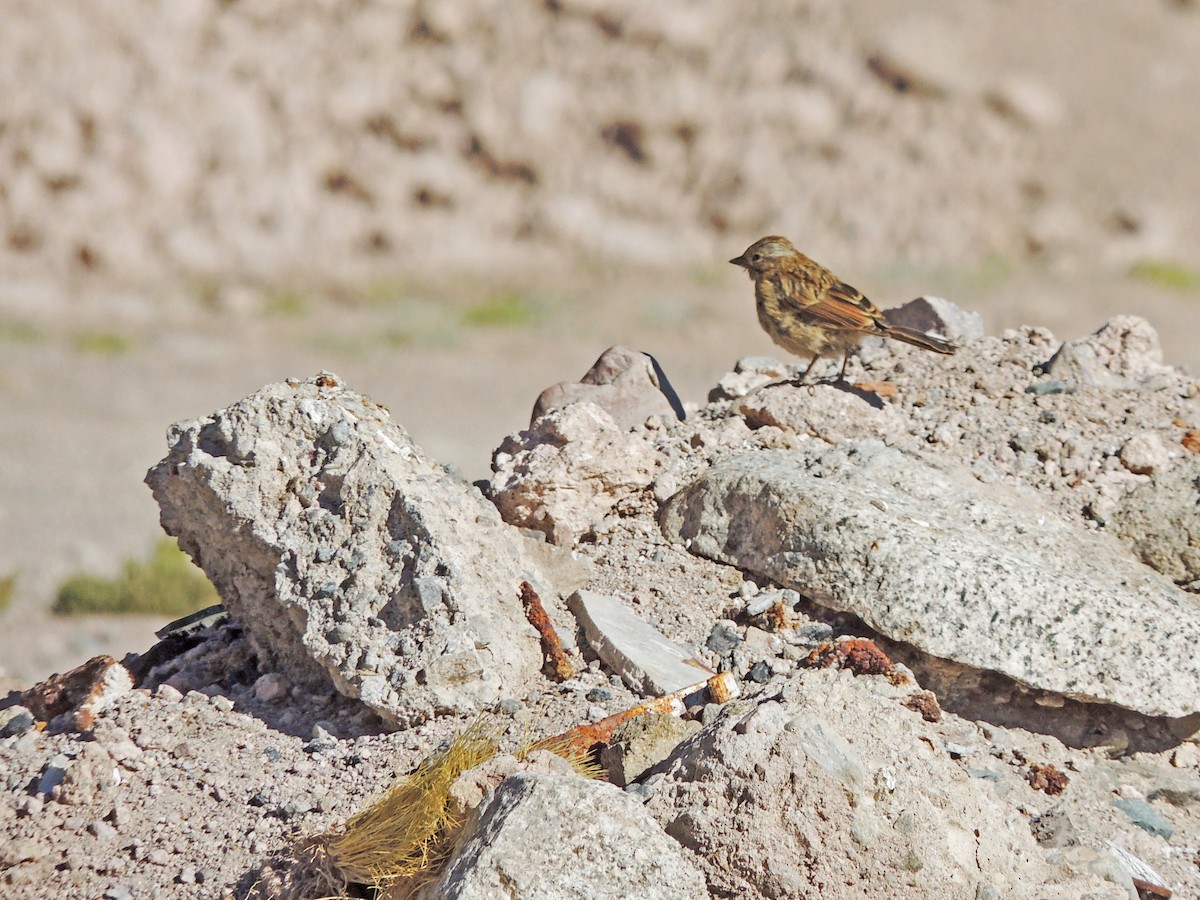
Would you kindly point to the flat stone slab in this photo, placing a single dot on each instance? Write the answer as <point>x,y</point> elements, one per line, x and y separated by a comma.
<point>648,662</point>
<point>985,575</point>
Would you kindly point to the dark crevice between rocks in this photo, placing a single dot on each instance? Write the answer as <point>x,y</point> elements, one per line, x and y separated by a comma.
<point>995,699</point>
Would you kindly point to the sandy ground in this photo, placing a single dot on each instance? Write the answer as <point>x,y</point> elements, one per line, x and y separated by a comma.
<point>1105,177</point>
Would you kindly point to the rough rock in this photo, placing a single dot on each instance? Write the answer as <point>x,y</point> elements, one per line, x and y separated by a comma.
<point>627,384</point>
<point>1144,454</point>
<point>829,781</point>
<point>557,837</point>
<point>643,742</point>
<point>829,412</point>
<point>646,660</point>
<point>345,553</point>
<point>748,373</point>
<point>1160,520</point>
<point>475,785</point>
<point>1123,354</point>
<point>939,316</point>
<point>82,693</point>
<point>566,472</point>
<point>980,574</point>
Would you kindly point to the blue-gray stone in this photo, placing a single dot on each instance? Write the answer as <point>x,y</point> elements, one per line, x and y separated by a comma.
<point>1145,817</point>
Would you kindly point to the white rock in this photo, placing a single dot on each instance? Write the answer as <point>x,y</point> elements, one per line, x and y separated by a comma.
<point>646,660</point>
<point>564,474</point>
<point>562,837</point>
<point>804,788</point>
<point>317,518</point>
<point>984,575</point>
<point>1144,454</point>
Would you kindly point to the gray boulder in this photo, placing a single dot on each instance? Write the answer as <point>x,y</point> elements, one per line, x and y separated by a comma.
<point>627,384</point>
<point>347,554</point>
<point>563,475</point>
<point>985,575</point>
<point>559,837</point>
<point>830,782</point>
<point>939,316</point>
<point>1123,354</point>
<point>1161,522</point>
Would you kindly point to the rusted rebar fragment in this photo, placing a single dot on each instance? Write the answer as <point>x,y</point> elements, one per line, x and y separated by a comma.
<point>558,665</point>
<point>859,655</point>
<point>582,738</point>
<point>84,691</point>
<point>722,688</point>
<point>1047,778</point>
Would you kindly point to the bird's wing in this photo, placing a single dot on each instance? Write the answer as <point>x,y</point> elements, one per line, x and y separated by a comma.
<point>843,306</point>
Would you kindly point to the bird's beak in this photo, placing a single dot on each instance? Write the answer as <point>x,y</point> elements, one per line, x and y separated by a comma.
<point>740,261</point>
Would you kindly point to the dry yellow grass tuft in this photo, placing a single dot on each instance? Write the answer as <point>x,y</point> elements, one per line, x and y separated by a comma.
<point>401,842</point>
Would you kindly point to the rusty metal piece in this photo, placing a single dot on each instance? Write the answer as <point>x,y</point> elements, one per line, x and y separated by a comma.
<point>1047,778</point>
<point>925,704</point>
<point>780,617</point>
<point>558,664</point>
<point>85,691</point>
<point>582,738</point>
<point>881,389</point>
<point>860,655</point>
<point>723,687</point>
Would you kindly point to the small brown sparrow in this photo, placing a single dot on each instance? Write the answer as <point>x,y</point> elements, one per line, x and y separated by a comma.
<point>808,311</point>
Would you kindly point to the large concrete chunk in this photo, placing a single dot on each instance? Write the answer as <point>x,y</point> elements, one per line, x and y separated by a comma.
<point>1161,522</point>
<point>830,781</point>
<point>564,474</point>
<point>984,575</point>
<point>345,552</point>
<point>558,837</point>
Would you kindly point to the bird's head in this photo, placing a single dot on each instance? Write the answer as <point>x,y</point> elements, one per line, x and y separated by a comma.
<point>764,253</point>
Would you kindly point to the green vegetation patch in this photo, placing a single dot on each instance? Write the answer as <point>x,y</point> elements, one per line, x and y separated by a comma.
<point>17,332</point>
<point>103,343</point>
<point>8,586</point>
<point>285,305</point>
<point>504,309</point>
<point>166,584</point>
<point>1167,274</point>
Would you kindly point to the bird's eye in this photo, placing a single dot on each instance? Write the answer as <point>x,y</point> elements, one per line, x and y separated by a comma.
<point>756,257</point>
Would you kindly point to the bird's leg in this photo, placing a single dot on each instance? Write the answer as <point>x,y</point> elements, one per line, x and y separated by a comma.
<point>804,377</point>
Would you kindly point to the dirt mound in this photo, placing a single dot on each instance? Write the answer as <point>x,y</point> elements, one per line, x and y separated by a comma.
<point>204,145</point>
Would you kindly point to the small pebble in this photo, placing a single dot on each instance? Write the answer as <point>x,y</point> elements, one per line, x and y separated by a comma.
<point>760,672</point>
<point>723,637</point>
<point>167,694</point>
<point>15,720</point>
<point>158,857</point>
<point>640,791</point>
<point>600,694</point>
<point>509,707</point>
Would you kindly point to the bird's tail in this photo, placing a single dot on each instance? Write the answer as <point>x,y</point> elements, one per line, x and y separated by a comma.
<point>921,339</point>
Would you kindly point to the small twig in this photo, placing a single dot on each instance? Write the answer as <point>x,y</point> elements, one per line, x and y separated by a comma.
<point>556,658</point>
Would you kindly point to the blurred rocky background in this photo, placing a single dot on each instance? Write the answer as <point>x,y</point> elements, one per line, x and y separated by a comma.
<point>454,207</point>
